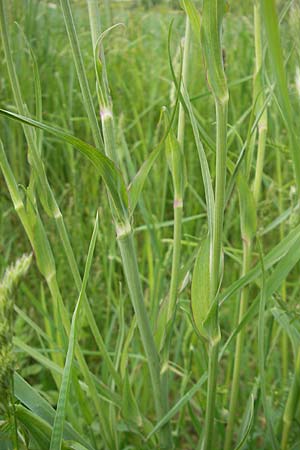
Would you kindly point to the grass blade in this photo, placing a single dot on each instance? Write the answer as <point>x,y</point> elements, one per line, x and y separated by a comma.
<point>58,427</point>
<point>105,167</point>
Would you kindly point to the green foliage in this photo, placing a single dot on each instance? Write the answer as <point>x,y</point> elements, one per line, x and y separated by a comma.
<point>170,313</point>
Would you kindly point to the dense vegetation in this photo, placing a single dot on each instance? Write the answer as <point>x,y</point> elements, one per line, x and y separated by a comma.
<point>134,314</point>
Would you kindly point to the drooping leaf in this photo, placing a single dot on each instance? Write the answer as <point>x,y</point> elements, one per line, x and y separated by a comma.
<point>105,167</point>
<point>29,397</point>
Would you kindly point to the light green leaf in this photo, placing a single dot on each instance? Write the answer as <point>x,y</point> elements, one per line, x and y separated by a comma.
<point>39,406</point>
<point>247,208</point>
<point>200,293</point>
<point>130,409</point>
<point>212,14</point>
<point>174,158</point>
<point>193,15</point>
<point>179,405</point>
<point>137,184</point>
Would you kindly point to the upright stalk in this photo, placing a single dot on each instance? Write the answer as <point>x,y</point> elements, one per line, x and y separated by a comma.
<point>215,266</point>
<point>212,17</point>
<point>128,254</point>
<point>238,349</point>
<point>94,19</point>
<point>258,99</point>
<point>284,338</point>
<point>129,260</point>
<point>291,404</point>
<point>178,193</point>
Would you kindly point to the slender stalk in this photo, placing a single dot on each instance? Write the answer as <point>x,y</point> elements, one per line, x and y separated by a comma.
<point>178,197</point>
<point>126,245</point>
<point>284,338</point>
<point>259,99</point>
<point>215,266</point>
<point>129,258</point>
<point>247,256</point>
<point>291,405</point>
<point>94,19</point>
<point>212,16</point>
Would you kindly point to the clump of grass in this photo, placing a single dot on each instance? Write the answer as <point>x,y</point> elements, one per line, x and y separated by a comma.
<point>164,334</point>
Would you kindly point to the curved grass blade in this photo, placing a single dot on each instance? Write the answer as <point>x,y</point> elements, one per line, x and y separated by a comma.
<point>57,433</point>
<point>283,268</point>
<point>275,255</point>
<point>193,15</point>
<point>285,320</point>
<point>39,406</point>
<point>212,15</point>
<point>248,425</point>
<point>103,391</point>
<point>105,167</point>
<point>177,407</point>
<point>137,184</point>
<point>39,429</point>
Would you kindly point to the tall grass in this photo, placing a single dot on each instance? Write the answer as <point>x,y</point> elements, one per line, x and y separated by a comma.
<point>175,325</point>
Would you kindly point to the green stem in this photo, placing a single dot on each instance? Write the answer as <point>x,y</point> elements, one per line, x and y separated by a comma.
<point>178,209</point>
<point>126,245</point>
<point>178,197</point>
<point>259,97</point>
<point>94,19</point>
<point>284,339</point>
<point>291,405</point>
<point>215,266</point>
<point>238,350</point>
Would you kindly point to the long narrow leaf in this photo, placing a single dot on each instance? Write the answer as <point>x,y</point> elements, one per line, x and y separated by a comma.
<point>105,167</point>
<point>57,433</point>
